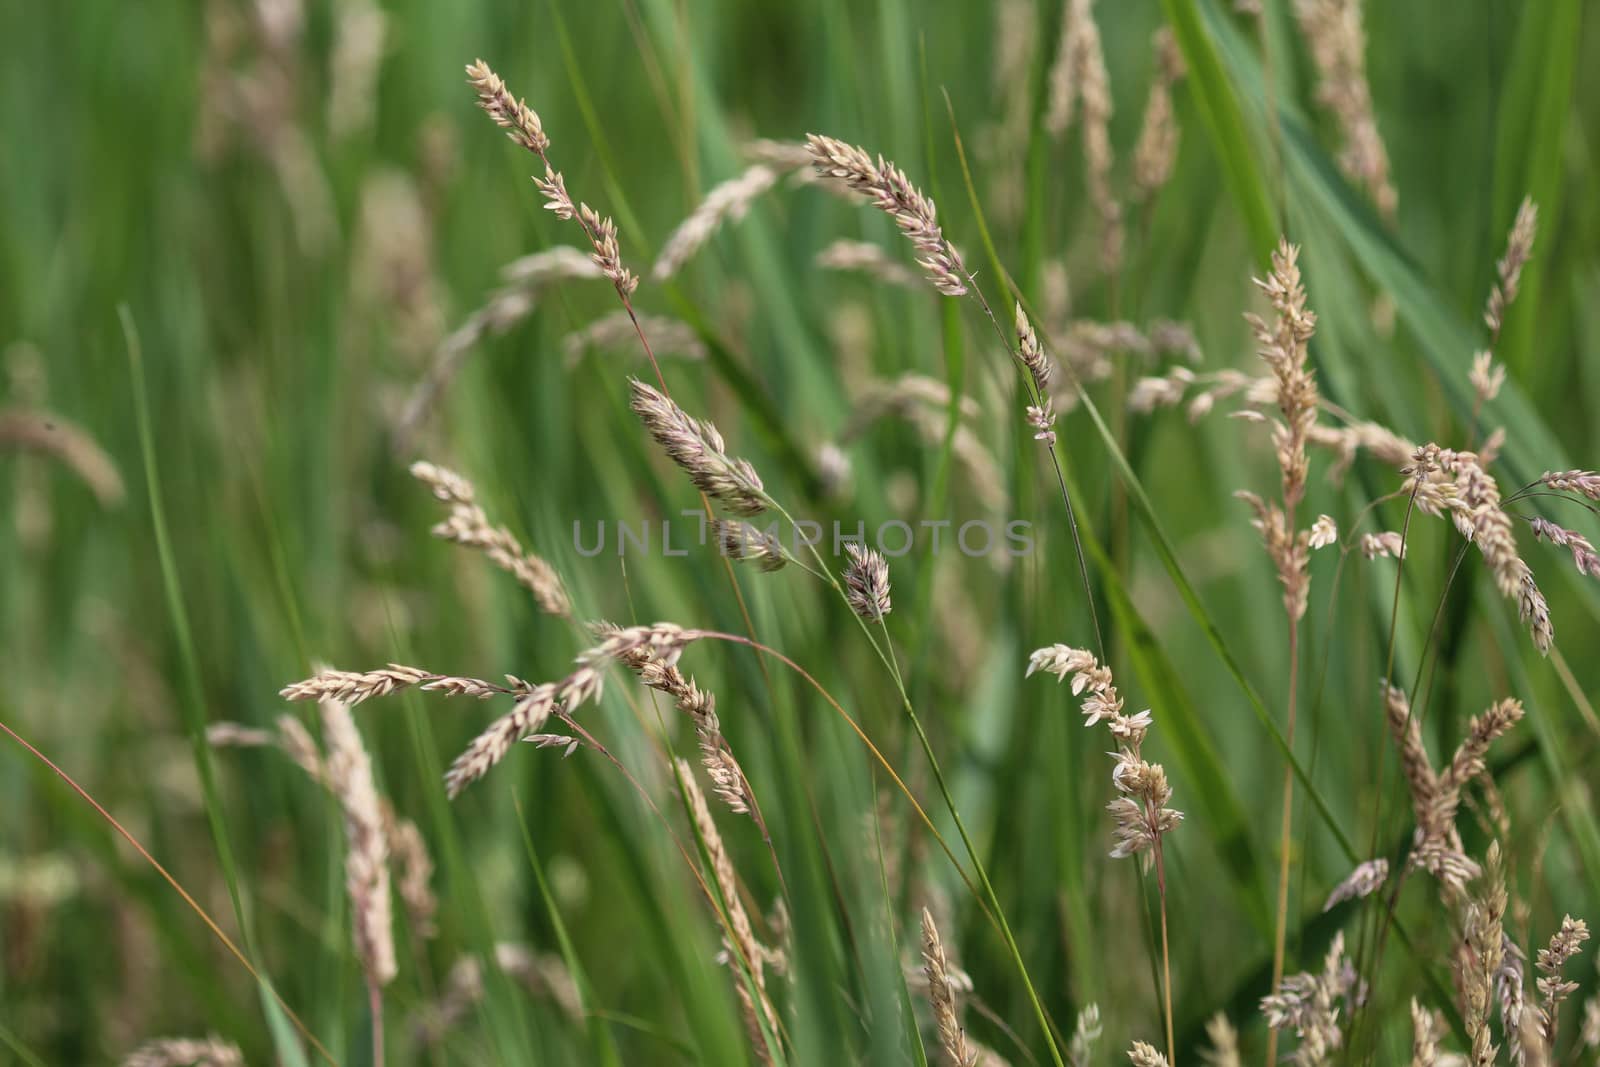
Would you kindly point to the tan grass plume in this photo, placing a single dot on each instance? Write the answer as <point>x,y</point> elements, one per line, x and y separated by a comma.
<point>891,191</point>
<point>941,996</point>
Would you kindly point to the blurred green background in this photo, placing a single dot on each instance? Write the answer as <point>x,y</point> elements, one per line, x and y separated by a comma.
<point>285,208</point>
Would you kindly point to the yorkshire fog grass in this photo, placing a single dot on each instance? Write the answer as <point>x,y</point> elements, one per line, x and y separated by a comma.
<point>1257,341</point>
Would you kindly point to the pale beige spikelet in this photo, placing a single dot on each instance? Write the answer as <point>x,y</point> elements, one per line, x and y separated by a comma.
<point>727,202</point>
<point>1384,543</point>
<point>522,125</point>
<point>186,1052</point>
<point>747,543</point>
<point>237,735</point>
<point>1337,39</point>
<point>520,121</point>
<point>355,687</point>
<point>1157,148</point>
<point>1436,796</point>
<point>1364,881</point>
<point>1508,269</point>
<point>696,446</point>
<point>866,582</point>
<point>1312,1003</point>
<point>1406,731</point>
<point>536,704</point>
<point>1092,350</point>
<point>1521,1027</point>
<point>524,281</point>
<point>1486,377</point>
<point>1139,811</point>
<point>531,711</point>
<point>393,260</point>
<point>1473,499</point>
<point>1554,987</point>
<point>69,444</point>
<point>408,851</point>
<point>567,742</point>
<point>1224,1040</point>
<point>1282,346</point>
<point>1141,1054</point>
<point>746,954</point>
<point>784,155</point>
<point>947,1017</point>
<point>1086,1033</point>
<point>1585,483</point>
<point>727,776</point>
<point>1479,962</point>
<point>1031,353</point>
<point>907,396</point>
<point>1324,532</point>
<point>1064,80</point>
<point>1078,77</point>
<point>1584,556</point>
<point>413,867</point>
<point>619,329</point>
<point>892,192</point>
<point>350,778</point>
<point>866,258</point>
<point>297,744</point>
<point>1425,1036</point>
<point>467,525</point>
<point>359,35</point>
<point>1482,731</point>
<point>835,472</point>
<point>1289,550</point>
<point>544,975</point>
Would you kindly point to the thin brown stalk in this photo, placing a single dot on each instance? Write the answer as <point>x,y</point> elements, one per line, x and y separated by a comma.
<point>166,876</point>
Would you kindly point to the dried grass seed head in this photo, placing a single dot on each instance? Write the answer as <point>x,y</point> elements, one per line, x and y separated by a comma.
<point>1508,269</point>
<point>186,1052</point>
<point>349,774</point>
<point>892,192</point>
<point>745,542</point>
<point>866,582</point>
<point>1364,881</point>
<point>696,446</point>
<point>941,996</point>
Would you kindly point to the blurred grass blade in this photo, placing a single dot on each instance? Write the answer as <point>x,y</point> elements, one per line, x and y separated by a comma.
<point>602,1046</point>
<point>192,704</point>
<point>1529,159</point>
<point>1164,550</point>
<point>1214,93</point>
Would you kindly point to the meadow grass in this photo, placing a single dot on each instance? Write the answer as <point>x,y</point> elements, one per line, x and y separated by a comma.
<point>272,281</point>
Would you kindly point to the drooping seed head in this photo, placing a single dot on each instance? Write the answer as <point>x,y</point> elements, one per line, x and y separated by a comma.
<point>697,447</point>
<point>866,582</point>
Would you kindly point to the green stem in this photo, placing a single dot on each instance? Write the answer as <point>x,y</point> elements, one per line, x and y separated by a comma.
<point>945,793</point>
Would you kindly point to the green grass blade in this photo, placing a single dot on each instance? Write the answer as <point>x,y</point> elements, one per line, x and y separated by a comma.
<point>1529,157</point>
<point>285,1043</point>
<point>1219,108</point>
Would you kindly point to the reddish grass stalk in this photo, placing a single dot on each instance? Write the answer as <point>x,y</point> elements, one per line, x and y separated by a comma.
<point>194,905</point>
